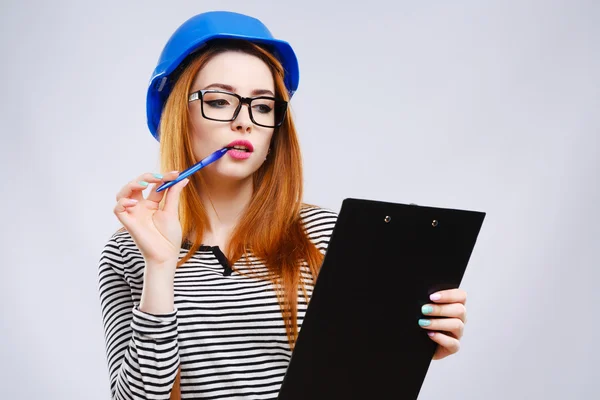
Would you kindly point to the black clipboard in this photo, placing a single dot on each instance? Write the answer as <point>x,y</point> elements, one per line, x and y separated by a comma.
<point>360,337</point>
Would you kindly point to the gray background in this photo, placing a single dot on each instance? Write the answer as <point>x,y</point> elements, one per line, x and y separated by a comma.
<point>484,105</point>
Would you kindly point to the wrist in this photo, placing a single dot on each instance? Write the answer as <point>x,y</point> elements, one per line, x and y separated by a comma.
<point>158,290</point>
<point>161,267</point>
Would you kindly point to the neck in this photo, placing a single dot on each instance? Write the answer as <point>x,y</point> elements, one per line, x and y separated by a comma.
<point>225,202</point>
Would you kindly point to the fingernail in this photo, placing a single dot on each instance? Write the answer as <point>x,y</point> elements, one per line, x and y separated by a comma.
<point>143,183</point>
<point>431,334</point>
<point>158,176</point>
<point>427,309</point>
<point>424,322</point>
<point>435,296</point>
<point>174,172</point>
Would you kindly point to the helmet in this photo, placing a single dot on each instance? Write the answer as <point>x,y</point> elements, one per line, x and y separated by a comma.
<point>192,35</point>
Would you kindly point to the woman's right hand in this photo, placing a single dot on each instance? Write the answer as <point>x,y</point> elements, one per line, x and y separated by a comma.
<point>156,232</point>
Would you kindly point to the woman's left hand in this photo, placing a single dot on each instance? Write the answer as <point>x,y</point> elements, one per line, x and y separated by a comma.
<point>447,329</point>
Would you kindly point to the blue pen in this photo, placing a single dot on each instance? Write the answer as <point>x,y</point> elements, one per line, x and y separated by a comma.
<point>196,167</point>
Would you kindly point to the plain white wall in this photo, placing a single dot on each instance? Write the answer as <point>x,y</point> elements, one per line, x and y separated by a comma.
<point>484,105</point>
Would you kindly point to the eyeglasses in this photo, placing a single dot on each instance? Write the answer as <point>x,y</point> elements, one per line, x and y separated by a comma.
<point>217,105</point>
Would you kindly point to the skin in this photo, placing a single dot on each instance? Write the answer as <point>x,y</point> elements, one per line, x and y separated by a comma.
<point>229,181</point>
<point>447,331</point>
<point>157,232</point>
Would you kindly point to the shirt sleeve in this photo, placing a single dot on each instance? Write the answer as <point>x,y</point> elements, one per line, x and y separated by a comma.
<point>142,349</point>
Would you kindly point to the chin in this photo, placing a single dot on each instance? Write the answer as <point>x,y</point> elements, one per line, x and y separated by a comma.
<point>234,172</point>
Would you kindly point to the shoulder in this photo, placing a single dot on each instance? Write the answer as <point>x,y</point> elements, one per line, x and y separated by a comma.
<point>122,241</point>
<point>312,215</point>
<point>318,223</point>
<point>119,251</point>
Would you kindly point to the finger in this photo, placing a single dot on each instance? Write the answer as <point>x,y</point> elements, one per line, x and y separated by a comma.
<point>158,196</point>
<point>450,344</point>
<point>451,325</point>
<point>449,296</point>
<point>135,188</point>
<point>122,208</point>
<point>173,195</point>
<point>124,204</point>
<point>132,190</point>
<point>454,310</point>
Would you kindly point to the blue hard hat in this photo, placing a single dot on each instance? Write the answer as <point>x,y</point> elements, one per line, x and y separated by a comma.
<point>193,34</point>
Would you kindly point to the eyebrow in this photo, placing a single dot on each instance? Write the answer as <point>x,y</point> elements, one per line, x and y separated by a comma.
<point>229,88</point>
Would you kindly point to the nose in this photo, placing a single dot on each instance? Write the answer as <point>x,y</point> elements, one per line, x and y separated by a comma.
<point>242,122</point>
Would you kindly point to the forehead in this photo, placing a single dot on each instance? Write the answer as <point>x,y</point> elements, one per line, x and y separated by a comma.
<point>243,71</point>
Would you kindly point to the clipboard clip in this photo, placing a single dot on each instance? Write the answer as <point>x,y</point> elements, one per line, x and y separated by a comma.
<point>388,219</point>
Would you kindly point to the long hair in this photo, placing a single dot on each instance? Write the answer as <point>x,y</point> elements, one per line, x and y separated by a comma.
<point>271,228</point>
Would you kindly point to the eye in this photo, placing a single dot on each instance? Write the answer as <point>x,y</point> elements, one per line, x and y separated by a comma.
<point>263,108</point>
<point>219,103</point>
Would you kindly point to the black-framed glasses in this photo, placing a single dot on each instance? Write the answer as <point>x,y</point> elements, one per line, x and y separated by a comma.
<point>218,105</point>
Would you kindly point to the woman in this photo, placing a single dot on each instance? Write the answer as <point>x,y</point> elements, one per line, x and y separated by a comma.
<point>204,290</point>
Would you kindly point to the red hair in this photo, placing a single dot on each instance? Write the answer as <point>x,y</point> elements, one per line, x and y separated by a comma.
<point>271,228</point>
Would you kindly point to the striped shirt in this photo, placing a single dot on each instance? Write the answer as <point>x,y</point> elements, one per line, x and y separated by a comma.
<point>226,331</point>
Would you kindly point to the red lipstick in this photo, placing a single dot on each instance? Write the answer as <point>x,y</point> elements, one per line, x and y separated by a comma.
<point>240,149</point>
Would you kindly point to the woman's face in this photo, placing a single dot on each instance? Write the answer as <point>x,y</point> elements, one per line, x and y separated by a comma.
<point>247,76</point>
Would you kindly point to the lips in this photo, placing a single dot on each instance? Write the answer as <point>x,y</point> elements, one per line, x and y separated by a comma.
<point>241,145</point>
<point>240,149</point>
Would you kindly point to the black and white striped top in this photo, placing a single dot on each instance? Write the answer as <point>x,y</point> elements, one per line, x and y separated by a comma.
<point>226,331</point>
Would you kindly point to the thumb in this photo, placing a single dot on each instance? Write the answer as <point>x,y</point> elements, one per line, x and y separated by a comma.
<point>173,195</point>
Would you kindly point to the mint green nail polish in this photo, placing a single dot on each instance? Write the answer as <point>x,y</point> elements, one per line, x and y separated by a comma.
<point>143,183</point>
<point>424,322</point>
<point>426,309</point>
<point>158,176</point>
